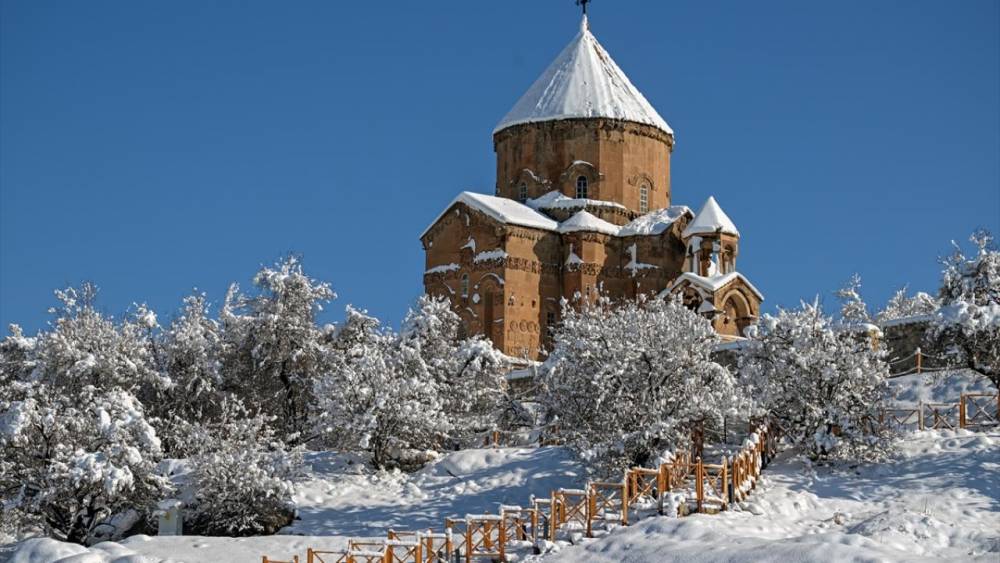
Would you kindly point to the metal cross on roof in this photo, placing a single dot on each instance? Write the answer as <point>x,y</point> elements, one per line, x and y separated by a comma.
<point>583,3</point>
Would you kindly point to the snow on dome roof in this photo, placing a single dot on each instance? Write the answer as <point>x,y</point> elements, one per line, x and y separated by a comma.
<point>583,221</point>
<point>711,219</point>
<point>583,81</point>
<point>502,209</point>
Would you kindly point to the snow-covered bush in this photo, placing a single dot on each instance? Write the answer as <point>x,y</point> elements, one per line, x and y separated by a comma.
<point>77,462</point>
<point>902,306</point>
<point>379,397</point>
<point>16,356</point>
<point>78,451</point>
<point>824,383</point>
<point>853,309</point>
<point>242,476</point>
<point>969,321</point>
<point>272,350</point>
<point>190,351</point>
<point>624,383</point>
<point>86,348</point>
<point>468,372</point>
<point>402,398</point>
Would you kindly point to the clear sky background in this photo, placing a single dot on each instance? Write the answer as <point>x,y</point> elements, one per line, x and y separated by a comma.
<point>154,147</point>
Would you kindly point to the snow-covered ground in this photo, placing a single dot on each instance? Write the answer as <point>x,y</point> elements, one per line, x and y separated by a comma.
<point>343,499</point>
<point>938,500</point>
<point>938,387</point>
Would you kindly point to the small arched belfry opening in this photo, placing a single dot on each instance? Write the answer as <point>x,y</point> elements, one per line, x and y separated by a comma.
<point>737,314</point>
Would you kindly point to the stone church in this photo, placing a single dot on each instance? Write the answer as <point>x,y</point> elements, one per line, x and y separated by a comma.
<point>583,205</point>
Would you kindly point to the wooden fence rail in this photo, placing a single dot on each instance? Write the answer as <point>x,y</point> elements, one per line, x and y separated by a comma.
<point>704,488</point>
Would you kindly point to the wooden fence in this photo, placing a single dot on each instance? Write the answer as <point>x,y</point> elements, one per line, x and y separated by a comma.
<point>973,411</point>
<point>679,487</point>
<point>701,487</point>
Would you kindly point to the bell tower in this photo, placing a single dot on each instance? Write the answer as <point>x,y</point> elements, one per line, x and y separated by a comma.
<point>712,242</point>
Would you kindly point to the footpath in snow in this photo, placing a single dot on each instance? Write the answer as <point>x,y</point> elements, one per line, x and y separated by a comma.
<point>939,499</point>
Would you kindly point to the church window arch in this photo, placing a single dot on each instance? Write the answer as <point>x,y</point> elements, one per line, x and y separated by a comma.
<point>522,193</point>
<point>581,187</point>
<point>644,198</point>
<point>464,286</point>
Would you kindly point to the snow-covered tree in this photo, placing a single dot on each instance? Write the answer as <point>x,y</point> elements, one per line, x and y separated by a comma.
<point>969,321</point>
<point>78,452</point>
<point>272,347</point>
<point>380,397</point>
<point>902,306</point>
<point>824,383</point>
<point>853,309</point>
<point>243,475</point>
<point>190,351</point>
<point>624,383</point>
<point>79,462</point>
<point>468,372</point>
<point>86,348</point>
<point>16,356</point>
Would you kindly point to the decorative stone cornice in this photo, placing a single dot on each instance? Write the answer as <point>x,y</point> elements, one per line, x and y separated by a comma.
<point>561,126</point>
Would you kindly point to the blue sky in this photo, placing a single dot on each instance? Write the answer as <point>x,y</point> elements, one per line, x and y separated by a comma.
<point>154,147</point>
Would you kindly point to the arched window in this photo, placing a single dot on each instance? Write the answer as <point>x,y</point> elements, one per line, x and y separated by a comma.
<point>644,199</point>
<point>522,194</point>
<point>581,187</point>
<point>464,287</point>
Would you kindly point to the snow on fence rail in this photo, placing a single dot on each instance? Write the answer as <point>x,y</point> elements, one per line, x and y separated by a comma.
<point>679,487</point>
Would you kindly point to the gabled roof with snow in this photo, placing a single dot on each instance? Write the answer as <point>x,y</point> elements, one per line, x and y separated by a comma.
<point>512,212</point>
<point>712,283</point>
<point>556,200</point>
<point>583,82</point>
<point>711,219</point>
<point>504,210</point>
<point>655,222</point>
<point>583,221</point>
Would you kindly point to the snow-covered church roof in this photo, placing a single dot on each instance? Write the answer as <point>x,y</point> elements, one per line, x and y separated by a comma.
<point>583,82</point>
<point>506,211</point>
<point>511,212</point>
<point>584,221</point>
<point>711,219</point>
<point>712,283</point>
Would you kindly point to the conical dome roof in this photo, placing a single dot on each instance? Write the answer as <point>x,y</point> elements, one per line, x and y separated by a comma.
<point>711,219</point>
<point>583,82</point>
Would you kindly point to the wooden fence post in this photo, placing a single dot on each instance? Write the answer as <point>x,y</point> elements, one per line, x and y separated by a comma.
<point>961,411</point>
<point>625,493</point>
<point>502,537</point>
<point>661,483</point>
<point>699,485</point>
<point>725,483</point>
<point>919,361</point>
<point>553,517</point>
<point>920,415</point>
<point>591,509</point>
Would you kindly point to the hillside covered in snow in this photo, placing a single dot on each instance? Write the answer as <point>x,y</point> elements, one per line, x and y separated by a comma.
<point>938,498</point>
